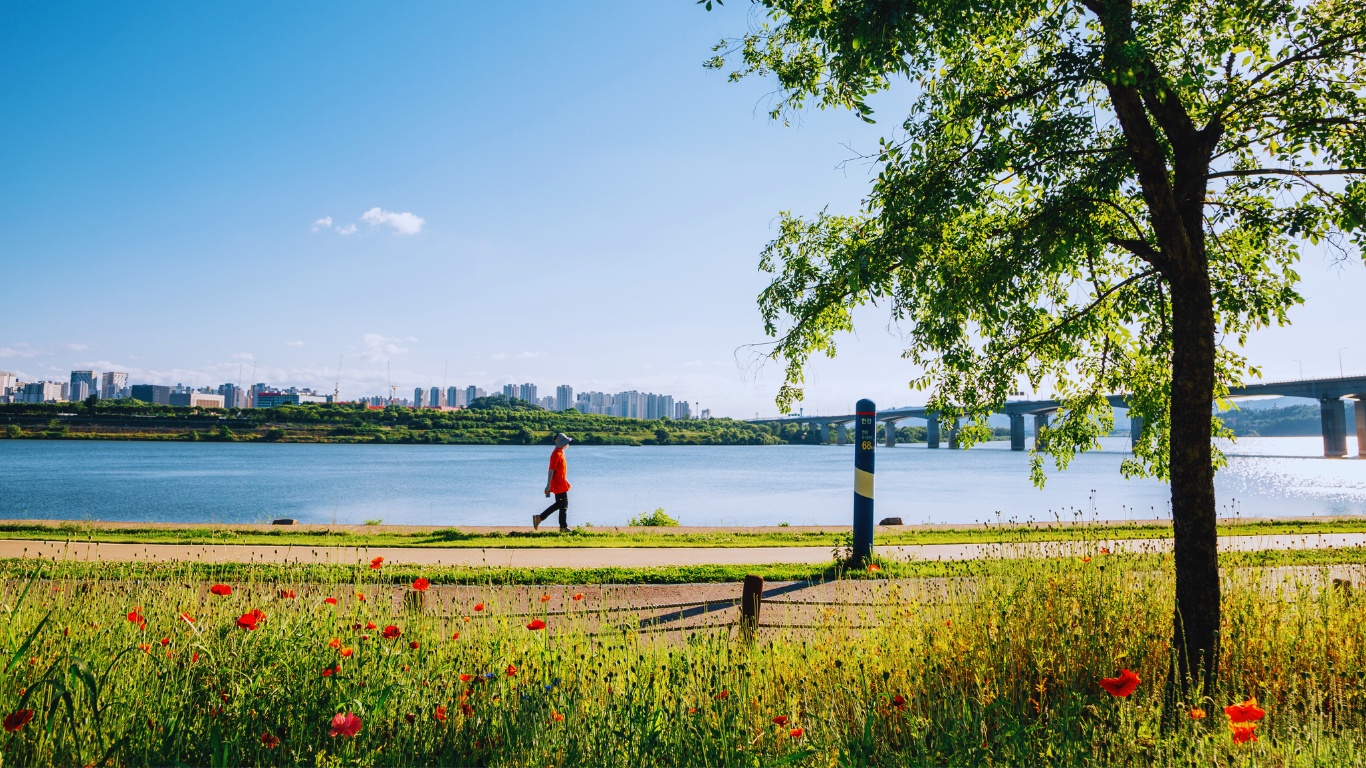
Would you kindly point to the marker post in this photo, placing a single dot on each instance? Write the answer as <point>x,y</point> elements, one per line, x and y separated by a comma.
<point>865,437</point>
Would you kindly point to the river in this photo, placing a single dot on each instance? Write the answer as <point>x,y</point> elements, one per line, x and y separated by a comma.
<point>501,485</point>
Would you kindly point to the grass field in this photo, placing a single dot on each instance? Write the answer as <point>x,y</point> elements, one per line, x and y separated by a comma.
<point>587,536</point>
<point>137,664</point>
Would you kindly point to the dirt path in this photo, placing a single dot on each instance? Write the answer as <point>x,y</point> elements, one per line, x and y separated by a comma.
<point>625,557</point>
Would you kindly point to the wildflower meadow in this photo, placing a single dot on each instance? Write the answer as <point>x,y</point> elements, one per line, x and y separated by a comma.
<point>1043,662</point>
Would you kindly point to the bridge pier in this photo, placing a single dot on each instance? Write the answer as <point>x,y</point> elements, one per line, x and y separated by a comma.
<point>1333,416</point>
<point>1135,427</point>
<point>890,426</point>
<point>932,431</point>
<point>1017,437</point>
<point>953,433</point>
<point>1360,408</point>
<point>1040,421</point>
<point>843,434</point>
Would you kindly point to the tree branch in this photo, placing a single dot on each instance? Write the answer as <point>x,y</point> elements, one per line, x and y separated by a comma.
<point>1287,172</point>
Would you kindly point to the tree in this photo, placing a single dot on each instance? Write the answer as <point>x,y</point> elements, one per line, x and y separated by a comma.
<point>1093,195</point>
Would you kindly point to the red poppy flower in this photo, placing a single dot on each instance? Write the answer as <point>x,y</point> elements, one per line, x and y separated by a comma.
<point>455,636</point>
<point>410,717</point>
<point>250,619</point>
<point>346,652</point>
<point>1121,686</point>
<point>330,600</point>
<point>376,563</point>
<point>796,733</point>
<point>465,678</point>
<point>334,642</point>
<point>1105,550</point>
<point>466,709</point>
<point>420,584</point>
<point>874,567</point>
<point>345,724</point>
<point>269,741</point>
<point>360,596</point>
<point>414,645</point>
<point>1245,712</point>
<point>512,671</point>
<point>1197,714</point>
<point>780,720</point>
<point>1243,732</point>
<point>222,590</point>
<point>556,717</point>
<point>187,618</point>
<point>478,606</point>
<point>578,595</point>
<point>194,657</point>
<point>165,641</point>
<point>1086,559</point>
<point>287,594</point>
<point>332,670</point>
<point>723,695</point>
<point>545,598</point>
<point>369,625</point>
<point>440,714</point>
<point>17,719</point>
<point>136,617</point>
<point>535,625</point>
<point>391,632</point>
<point>145,647</point>
<point>899,701</point>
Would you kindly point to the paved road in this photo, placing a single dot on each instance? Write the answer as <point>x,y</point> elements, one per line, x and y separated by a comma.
<point>622,557</point>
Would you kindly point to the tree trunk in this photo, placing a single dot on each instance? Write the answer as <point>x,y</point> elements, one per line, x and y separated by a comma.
<point>1196,631</point>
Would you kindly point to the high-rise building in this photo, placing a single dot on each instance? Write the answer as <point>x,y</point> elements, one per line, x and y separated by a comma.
<point>83,385</point>
<point>113,385</point>
<point>45,391</point>
<point>196,400</point>
<point>547,402</point>
<point>564,397</point>
<point>8,383</point>
<point>435,397</point>
<point>419,397</point>
<point>682,411</point>
<point>473,393</point>
<point>510,391</point>
<point>156,394</point>
<point>455,397</point>
<point>233,396</point>
<point>527,392</point>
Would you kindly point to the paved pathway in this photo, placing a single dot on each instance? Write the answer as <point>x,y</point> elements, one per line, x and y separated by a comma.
<point>624,557</point>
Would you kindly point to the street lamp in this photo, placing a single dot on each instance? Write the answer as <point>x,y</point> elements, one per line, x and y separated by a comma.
<point>1340,373</point>
<point>1301,362</point>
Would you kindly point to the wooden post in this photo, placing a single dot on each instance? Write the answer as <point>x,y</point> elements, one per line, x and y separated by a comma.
<point>750,600</point>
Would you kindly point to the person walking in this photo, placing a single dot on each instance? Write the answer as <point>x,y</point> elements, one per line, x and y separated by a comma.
<point>556,482</point>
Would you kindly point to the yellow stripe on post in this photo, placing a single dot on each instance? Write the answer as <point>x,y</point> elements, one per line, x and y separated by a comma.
<point>863,483</point>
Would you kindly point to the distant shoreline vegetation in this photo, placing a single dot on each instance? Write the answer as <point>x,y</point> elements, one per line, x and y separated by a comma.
<point>493,420</point>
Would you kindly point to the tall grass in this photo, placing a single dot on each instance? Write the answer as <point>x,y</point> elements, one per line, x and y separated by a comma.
<point>1000,667</point>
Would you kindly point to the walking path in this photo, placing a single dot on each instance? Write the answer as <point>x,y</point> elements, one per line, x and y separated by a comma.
<point>622,557</point>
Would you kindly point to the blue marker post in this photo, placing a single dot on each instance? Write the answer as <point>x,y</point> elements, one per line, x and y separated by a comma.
<point>865,436</point>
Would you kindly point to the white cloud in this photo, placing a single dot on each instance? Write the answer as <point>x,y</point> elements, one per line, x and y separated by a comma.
<point>402,223</point>
<point>349,229</point>
<point>377,347</point>
<point>76,347</point>
<point>19,350</point>
<point>294,343</point>
<point>323,223</point>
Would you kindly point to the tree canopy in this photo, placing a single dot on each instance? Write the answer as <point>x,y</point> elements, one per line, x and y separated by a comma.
<point>1088,196</point>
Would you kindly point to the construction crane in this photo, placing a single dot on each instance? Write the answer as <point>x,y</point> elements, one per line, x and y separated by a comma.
<point>336,389</point>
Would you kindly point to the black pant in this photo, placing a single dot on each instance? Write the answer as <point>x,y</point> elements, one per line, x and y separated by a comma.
<point>562,504</point>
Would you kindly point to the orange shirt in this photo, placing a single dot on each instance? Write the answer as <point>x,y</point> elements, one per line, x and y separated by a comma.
<point>558,471</point>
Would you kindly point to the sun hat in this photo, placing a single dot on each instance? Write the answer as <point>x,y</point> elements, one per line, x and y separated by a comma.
<point>561,439</point>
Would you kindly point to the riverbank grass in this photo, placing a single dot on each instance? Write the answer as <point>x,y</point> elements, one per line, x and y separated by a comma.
<point>1007,667</point>
<point>640,536</point>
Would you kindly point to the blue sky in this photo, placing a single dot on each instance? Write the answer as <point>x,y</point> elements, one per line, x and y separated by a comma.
<point>591,201</point>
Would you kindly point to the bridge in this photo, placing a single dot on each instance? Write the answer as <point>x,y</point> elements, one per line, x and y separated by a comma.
<point>1329,393</point>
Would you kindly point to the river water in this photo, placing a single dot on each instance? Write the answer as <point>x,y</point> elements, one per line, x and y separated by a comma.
<point>699,485</point>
